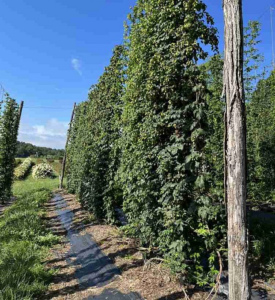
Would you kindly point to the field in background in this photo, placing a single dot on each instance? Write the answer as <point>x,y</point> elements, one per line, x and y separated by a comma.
<point>30,184</point>
<point>24,238</point>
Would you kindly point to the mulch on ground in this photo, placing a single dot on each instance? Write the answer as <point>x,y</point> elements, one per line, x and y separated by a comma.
<point>151,281</point>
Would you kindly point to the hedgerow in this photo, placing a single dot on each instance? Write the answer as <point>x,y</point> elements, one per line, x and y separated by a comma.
<point>23,169</point>
<point>9,124</point>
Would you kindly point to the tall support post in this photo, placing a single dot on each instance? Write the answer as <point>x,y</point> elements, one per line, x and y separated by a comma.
<point>235,151</point>
<point>65,153</point>
<point>19,117</point>
<point>20,111</point>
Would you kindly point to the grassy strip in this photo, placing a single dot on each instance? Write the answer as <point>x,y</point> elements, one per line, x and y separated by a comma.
<point>31,185</point>
<point>24,244</point>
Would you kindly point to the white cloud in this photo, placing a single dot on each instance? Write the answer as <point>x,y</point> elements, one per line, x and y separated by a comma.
<point>76,64</point>
<point>52,134</point>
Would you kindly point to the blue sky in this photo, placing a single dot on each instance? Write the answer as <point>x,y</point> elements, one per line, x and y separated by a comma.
<point>52,51</point>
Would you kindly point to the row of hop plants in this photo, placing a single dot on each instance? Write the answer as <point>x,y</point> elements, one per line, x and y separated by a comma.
<point>149,140</point>
<point>9,124</point>
<point>22,171</point>
<point>139,141</point>
<point>42,171</point>
<point>39,171</point>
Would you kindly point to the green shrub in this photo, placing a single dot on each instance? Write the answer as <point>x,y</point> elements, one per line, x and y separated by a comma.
<point>43,171</point>
<point>22,170</point>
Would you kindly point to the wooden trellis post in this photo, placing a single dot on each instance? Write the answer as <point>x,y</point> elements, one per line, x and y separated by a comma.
<point>235,151</point>
<point>20,112</point>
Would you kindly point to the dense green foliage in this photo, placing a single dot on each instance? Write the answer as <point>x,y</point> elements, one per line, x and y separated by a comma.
<point>213,72</point>
<point>97,128</point>
<point>23,246</point>
<point>252,58</point>
<point>261,141</point>
<point>27,149</point>
<point>255,100</point>
<point>23,169</point>
<point>140,138</point>
<point>262,240</point>
<point>163,168</point>
<point>9,124</point>
<point>150,138</point>
<point>77,149</point>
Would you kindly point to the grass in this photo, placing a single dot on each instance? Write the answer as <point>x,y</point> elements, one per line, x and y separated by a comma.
<point>25,241</point>
<point>31,185</point>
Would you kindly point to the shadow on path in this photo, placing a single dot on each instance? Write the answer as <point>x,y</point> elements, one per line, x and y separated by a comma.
<point>115,295</point>
<point>93,267</point>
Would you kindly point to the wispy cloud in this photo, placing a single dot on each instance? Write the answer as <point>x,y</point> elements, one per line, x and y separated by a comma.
<point>52,134</point>
<point>76,64</point>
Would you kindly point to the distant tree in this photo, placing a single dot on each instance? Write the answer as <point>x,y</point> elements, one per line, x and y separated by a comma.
<point>27,149</point>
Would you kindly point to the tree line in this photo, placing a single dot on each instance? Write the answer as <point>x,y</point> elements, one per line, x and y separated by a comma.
<point>150,137</point>
<point>26,149</point>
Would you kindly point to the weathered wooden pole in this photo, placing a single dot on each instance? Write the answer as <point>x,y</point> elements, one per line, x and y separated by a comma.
<point>19,117</point>
<point>20,111</point>
<point>65,153</point>
<point>235,151</point>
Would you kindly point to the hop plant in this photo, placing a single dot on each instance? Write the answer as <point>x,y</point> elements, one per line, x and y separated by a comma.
<point>43,171</point>
<point>23,170</point>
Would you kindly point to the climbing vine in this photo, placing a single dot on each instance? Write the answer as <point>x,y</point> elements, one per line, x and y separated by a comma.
<point>163,167</point>
<point>149,139</point>
<point>9,124</point>
<point>94,144</point>
<point>261,141</point>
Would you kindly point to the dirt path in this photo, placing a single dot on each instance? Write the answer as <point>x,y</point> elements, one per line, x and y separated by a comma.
<point>94,261</point>
<point>92,268</point>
